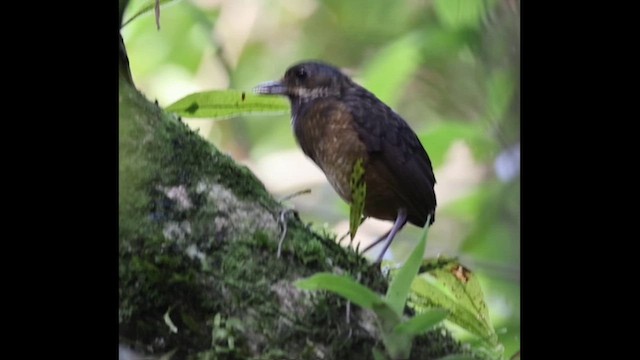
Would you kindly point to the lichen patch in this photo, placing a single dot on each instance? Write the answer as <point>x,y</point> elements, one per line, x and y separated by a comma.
<point>177,231</point>
<point>179,195</point>
<point>236,216</point>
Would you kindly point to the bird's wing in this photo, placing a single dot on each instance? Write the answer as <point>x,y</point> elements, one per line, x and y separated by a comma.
<point>395,152</point>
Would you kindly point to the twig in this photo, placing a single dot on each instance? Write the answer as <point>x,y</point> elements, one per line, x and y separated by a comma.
<point>297,193</point>
<point>348,312</point>
<point>157,11</point>
<point>344,236</point>
<point>282,220</point>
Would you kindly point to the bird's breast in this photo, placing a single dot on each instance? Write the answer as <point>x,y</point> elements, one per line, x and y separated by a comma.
<point>325,133</point>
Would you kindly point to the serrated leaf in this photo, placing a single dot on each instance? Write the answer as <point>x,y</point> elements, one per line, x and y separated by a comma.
<point>426,296</point>
<point>450,286</point>
<point>465,288</point>
<point>401,282</point>
<point>343,286</point>
<point>224,104</point>
<point>421,322</point>
<point>358,195</point>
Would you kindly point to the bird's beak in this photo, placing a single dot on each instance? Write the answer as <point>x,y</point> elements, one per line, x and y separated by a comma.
<point>271,87</point>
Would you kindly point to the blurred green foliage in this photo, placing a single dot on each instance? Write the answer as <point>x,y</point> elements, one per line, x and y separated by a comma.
<point>449,67</point>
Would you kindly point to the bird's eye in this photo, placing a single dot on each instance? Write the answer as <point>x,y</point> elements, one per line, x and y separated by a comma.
<point>301,73</point>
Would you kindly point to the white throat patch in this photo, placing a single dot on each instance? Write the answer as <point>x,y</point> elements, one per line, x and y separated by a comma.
<point>310,94</point>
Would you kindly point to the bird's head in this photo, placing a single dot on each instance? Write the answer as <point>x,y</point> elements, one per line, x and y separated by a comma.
<point>307,81</point>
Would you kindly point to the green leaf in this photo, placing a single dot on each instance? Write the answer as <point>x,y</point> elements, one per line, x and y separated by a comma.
<point>397,345</point>
<point>224,104</point>
<point>422,322</point>
<point>387,318</point>
<point>439,138</point>
<point>460,13</point>
<point>343,286</point>
<point>426,295</point>
<point>358,195</point>
<point>442,44</point>
<point>393,67</point>
<point>465,288</point>
<point>450,286</point>
<point>148,6</point>
<point>378,355</point>
<point>500,89</point>
<point>401,283</point>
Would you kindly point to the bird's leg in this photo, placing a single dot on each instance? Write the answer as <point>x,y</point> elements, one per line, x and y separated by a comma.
<point>378,240</point>
<point>401,221</point>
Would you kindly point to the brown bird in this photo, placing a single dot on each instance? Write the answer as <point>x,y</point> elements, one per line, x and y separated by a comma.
<point>336,122</point>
